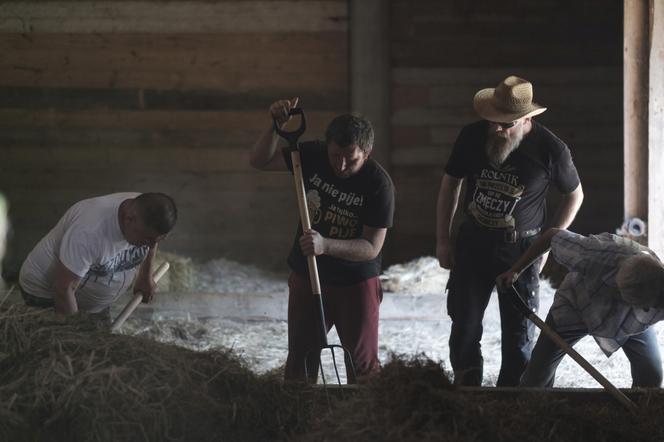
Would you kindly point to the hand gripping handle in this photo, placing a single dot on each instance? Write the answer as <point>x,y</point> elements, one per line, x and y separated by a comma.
<point>292,136</point>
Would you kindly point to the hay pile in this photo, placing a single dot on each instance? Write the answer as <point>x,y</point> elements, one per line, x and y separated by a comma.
<point>69,379</point>
<point>414,401</point>
<point>180,275</point>
<point>417,277</point>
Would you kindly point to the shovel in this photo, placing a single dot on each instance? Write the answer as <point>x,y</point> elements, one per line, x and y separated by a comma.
<point>293,147</point>
<point>523,307</point>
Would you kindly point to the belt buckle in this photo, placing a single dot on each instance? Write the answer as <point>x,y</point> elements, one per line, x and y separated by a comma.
<point>510,236</point>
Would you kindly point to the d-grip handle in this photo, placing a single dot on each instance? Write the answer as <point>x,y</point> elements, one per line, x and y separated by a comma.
<point>292,136</point>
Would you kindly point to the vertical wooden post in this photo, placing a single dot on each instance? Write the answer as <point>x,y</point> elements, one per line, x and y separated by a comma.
<point>635,62</point>
<point>369,70</point>
<point>656,128</point>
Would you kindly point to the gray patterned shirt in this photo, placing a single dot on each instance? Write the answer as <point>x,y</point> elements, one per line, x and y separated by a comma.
<point>589,296</point>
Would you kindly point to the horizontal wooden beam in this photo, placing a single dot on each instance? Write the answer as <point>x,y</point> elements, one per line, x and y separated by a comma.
<point>160,16</point>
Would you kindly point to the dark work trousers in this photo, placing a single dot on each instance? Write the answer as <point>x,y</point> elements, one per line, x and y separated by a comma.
<point>480,256</point>
<point>352,309</point>
<point>641,350</point>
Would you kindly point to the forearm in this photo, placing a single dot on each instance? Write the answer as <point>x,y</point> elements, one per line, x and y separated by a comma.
<point>65,301</point>
<point>446,206</point>
<point>568,208</point>
<point>359,249</point>
<point>537,249</point>
<point>264,149</point>
<point>145,271</point>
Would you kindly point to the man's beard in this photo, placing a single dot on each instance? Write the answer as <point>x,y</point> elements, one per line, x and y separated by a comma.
<point>500,145</point>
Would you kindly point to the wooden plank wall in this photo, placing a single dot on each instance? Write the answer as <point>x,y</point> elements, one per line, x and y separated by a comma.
<point>443,52</point>
<point>99,97</point>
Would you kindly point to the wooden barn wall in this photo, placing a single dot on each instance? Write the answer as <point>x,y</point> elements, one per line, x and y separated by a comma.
<point>442,52</point>
<point>100,97</point>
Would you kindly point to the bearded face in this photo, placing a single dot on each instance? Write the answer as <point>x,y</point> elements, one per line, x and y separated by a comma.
<point>500,144</point>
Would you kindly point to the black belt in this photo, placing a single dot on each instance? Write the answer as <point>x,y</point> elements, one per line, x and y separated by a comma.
<point>513,236</point>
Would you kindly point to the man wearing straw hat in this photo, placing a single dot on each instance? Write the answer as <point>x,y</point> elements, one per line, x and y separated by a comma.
<point>91,255</point>
<point>508,161</point>
<point>614,291</point>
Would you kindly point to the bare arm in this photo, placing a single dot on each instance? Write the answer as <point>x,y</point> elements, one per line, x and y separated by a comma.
<point>144,282</point>
<point>536,249</point>
<point>64,285</point>
<point>568,208</point>
<point>265,155</point>
<point>365,248</point>
<point>448,199</point>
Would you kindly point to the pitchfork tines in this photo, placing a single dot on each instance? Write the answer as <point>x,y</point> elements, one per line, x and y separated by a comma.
<point>312,354</point>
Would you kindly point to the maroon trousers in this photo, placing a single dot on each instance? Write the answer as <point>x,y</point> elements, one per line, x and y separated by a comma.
<point>352,309</point>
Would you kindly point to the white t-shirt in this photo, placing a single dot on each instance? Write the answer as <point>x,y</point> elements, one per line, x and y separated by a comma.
<point>89,242</point>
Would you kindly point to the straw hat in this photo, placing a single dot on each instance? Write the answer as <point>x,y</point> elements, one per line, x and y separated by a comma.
<point>510,100</point>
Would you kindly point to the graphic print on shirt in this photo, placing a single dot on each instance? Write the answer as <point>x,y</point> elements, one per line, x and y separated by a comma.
<point>313,204</point>
<point>336,211</point>
<point>496,195</point>
<point>123,261</point>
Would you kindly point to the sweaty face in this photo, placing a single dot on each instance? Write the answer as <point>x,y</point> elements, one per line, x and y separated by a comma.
<point>346,161</point>
<point>502,142</point>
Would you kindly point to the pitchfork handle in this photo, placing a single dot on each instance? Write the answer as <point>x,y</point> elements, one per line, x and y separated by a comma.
<point>592,371</point>
<point>138,297</point>
<point>525,309</point>
<point>311,259</point>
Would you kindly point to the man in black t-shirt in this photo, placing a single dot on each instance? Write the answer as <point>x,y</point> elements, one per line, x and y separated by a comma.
<point>351,205</point>
<point>508,162</point>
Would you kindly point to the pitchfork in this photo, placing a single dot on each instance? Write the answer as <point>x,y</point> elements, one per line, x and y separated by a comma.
<point>293,147</point>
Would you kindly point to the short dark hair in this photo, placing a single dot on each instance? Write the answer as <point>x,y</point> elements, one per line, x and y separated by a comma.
<point>158,211</point>
<point>348,129</point>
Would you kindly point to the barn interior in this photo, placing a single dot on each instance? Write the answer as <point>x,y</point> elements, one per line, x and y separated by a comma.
<point>99,97</point>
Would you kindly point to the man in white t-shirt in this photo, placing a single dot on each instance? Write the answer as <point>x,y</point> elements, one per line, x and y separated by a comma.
<point>96,250</point>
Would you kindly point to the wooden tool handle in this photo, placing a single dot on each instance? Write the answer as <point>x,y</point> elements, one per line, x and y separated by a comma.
<point>304,218</point>
<point>138,297</point>
<point>592,371</point>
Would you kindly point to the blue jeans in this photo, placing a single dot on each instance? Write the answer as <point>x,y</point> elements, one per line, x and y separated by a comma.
<point>481,255</point>
<point>641,350</point>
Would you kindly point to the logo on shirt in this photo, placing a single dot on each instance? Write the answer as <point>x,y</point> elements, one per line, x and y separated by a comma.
<point>340,215</point>
<point>344,198</point>
<point>123,261</point>
<point>496,195</point>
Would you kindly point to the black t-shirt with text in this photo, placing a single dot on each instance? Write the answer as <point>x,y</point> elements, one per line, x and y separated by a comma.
<point>338,209</point>
<point>512,195</point>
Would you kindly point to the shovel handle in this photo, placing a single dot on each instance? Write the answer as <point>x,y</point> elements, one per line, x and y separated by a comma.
<point>138,297</point>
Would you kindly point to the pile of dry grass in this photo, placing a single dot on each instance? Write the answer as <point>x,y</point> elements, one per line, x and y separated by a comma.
<point>69,379</point>
<point>181,273</point>
<point>415,401</point>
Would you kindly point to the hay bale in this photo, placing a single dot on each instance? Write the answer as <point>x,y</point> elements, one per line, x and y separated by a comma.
<point>67,378</point>
<point>419,276</point>
<point>181,274</point>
